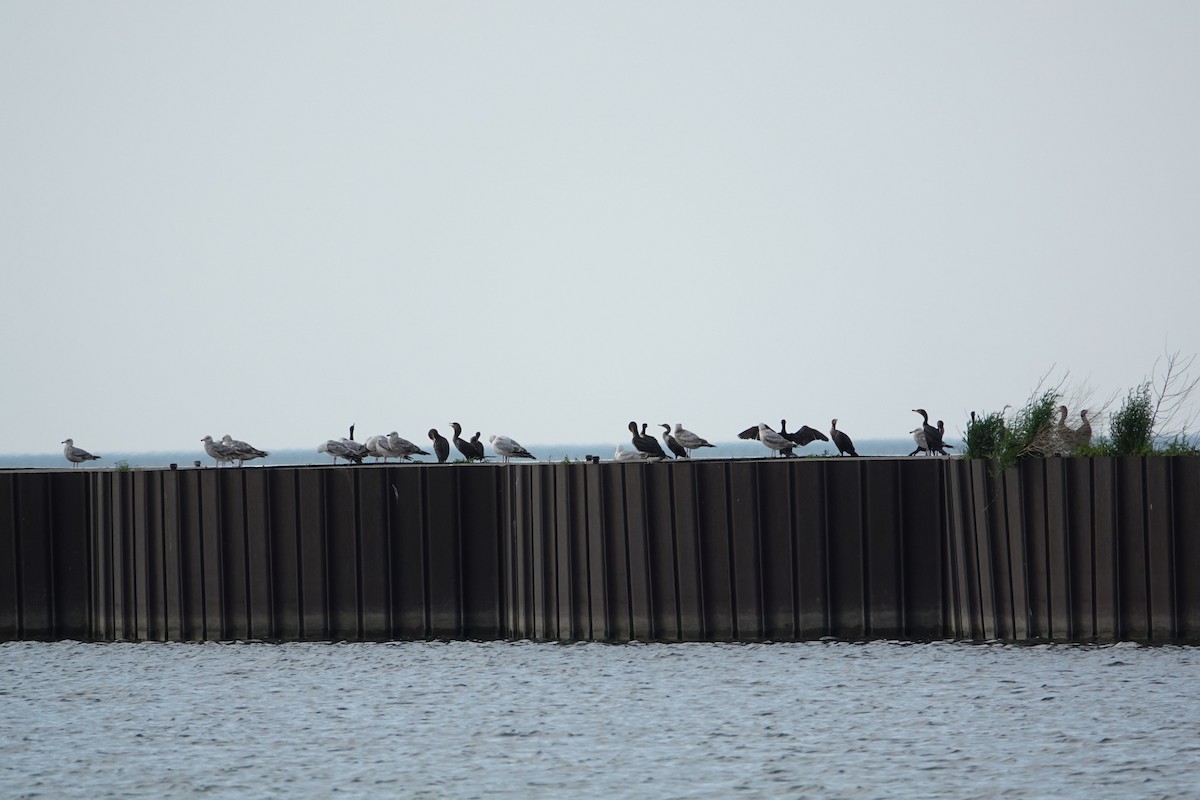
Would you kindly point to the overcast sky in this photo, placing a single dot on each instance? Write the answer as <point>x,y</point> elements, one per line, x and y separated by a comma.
<point>546,219</point>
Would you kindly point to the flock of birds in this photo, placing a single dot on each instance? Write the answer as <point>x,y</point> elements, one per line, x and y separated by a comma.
<point>677,442</point>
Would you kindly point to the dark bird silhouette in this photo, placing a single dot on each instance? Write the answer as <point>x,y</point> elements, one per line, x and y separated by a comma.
<point>933,437</point>
<point>919,439</point>
<point>674,446</point>
<point>645,444</point>
<point>841,440</point>
<point>653,443</point>
<point>463,446</point>
<point>441,446</point>
<point>477,446</point>
<point>805,435</point>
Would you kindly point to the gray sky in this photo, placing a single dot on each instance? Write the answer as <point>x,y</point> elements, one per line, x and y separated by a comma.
<point>546,219</point>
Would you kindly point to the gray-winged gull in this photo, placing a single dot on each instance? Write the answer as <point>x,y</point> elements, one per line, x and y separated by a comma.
<point>76,455</point>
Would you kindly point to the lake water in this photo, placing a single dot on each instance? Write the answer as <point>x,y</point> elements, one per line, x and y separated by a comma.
<point>516,719</point>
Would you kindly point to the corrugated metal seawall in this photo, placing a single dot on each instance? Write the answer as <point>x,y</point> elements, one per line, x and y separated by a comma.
<point>747,550</point>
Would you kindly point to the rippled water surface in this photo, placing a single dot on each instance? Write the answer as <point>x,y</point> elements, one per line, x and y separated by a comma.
<point>509,719</point>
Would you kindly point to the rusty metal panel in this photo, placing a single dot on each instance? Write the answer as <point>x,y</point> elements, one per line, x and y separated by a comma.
<point>641,611</point>
<point>407,518</point>
<point>1186,497</point>
<point>233,553</point>
<point>545,589</point>
<point>992,586</point>
<point>520,549</point>
<point>690,586</point>
<point>811,550</point>
<point>1160,569</point>
<point>664,579</point>
<point>1132,591</point>
<point>1080,548</point>
<point>374,560</point>
<point>34,558</point>
<point>922,560</point>
<point>600,622</point>
<point>172,567</point>
<point>103,620</point>
<point>1104,532</point>
<point>713,522</point>
<point>844,534</point>
<point>10,559</point>
<point>70,553</point>
<point>1018,563</point>
<point>970,583</point>
<point>883,549</point>
<point>191,556</point>
<point>538,494</point>
<point>444,511</point>
<point>479,522</point>
<point>616,569</point>
<point>134,485</point>
<point>1031,474</point>
<point>214,572</point>
<point>745,550</point>
<point>581,582</point>
<point>125,572</point>
<point>283,547</point>
<point>777,559</point>
<point>564,556</point>
<point>314,585</point>
<point>342,539</point>
<point>259,566</point>
<point>148,518</point>
<point>1058,571</point>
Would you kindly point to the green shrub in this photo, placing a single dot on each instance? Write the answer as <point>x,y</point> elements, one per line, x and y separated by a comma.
<point>985,436</point>
<point>1130,430</point>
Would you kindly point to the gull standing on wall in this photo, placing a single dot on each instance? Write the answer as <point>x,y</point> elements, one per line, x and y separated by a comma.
<point>76,455</point>
<point>689,440</point>
<point>218,451</point>
<point>402,448</point>
<point>507,448</point>
<point>242,452</point>
<point>775,441</point>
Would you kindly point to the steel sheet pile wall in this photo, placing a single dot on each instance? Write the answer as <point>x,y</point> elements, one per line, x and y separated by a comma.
<point>1079,549</point>
<point>728,550</point>
<point>712,550</point>
<point>293,554</point>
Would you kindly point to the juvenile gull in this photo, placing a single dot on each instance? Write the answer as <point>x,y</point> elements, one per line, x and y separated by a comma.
<point>242,452</point>
<point>338,450</point>
<point>218,451</point>
<point>402,448</point>
<point>507,448</point>
<point>688,440</point>
<point>76,455</point>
